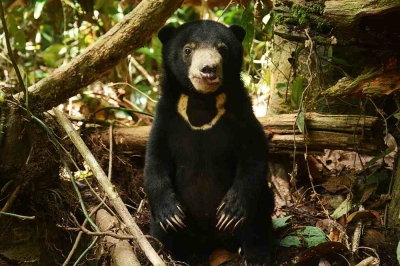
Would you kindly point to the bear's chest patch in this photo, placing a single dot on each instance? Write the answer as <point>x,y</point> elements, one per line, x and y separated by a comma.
<point>201,113</point>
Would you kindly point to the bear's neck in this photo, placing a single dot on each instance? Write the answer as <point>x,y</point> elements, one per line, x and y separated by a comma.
<point>201,112</point>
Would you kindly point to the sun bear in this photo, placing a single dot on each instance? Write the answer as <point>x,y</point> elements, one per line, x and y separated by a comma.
<point>207,154</point>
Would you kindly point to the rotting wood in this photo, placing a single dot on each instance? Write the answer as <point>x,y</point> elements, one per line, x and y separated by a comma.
<point>134,31</point>
<point>346,13</point>
<point>377,83</point>
<point>121,251</point>
<point>340,132</point>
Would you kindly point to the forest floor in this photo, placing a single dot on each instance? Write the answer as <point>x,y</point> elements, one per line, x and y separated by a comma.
<point>338,219</point>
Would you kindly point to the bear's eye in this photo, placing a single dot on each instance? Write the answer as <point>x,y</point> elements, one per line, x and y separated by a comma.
<point>222,48</point>
<point>187,50</point>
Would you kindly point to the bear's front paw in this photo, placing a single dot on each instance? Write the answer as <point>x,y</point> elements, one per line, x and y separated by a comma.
<point>257,257</point>
<point>231,213</point>
<point>170,215</point>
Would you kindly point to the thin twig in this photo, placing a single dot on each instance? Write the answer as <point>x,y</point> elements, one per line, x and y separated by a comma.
<point>10,201</point>
<point>144,72</point>
<point>90,233</point>
<point>78,238</point>
<point>22,217</point>
<point>9,50</point>
<point>110,160</point>
<point>133,87</point>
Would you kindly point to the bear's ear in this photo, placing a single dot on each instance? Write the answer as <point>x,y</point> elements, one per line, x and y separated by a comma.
<point>238,31</point>
<point>166,33</point>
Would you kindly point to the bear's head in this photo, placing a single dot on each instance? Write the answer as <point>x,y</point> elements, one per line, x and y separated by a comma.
<point>202,54</point>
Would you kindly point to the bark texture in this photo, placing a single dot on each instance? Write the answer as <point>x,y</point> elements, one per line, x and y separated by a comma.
<point>360,133</point>
<point>346,13</point>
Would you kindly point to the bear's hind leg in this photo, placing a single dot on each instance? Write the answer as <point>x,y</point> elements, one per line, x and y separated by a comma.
<point>174,242</point>
<point>257,242</point>
<point>256,236</point>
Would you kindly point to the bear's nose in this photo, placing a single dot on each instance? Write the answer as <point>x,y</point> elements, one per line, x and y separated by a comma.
<point>209,69</point>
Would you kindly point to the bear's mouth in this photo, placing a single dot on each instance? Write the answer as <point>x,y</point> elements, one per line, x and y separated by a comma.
<point>209,79</point>
<point>206,84</point>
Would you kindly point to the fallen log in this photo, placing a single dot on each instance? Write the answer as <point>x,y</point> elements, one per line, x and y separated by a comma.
<point>340,132</point>
<point>346,13</point>
<point>374,83</point>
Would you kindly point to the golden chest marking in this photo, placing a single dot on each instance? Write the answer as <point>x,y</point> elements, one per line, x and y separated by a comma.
<point>220,102</point>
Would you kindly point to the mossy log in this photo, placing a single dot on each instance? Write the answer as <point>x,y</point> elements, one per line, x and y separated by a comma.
<point>347,13</point>
<point>376,83</point>
<point>342,132</point>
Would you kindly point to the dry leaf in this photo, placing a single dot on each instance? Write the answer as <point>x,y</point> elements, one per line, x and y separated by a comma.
<point>221,256</point>
<point>334,184</point>
<point>361,215</point>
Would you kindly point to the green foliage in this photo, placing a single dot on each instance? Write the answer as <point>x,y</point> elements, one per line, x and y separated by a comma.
<point>48,34</point>
<point>301,124</point>
<point>247,22</point>
<point>343,209</point>
<point>379,156</point>
<point>308,237</point>
<point>280,222</point>
<point>297,92</point>
<point>53,55</point>
<point>39,4</point>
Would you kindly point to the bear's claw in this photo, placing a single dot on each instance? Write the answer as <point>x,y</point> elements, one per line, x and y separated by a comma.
<point>178,221</point>
<point>220,207</point>
<point>172,219</point>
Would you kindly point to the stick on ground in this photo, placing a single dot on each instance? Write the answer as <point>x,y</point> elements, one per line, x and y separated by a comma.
<point>108,187</point>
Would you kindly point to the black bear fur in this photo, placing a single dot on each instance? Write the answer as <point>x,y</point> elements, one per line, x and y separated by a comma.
<point>191,172</point>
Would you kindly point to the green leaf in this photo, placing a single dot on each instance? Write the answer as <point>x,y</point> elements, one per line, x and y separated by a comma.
<point>38,8</point>
<point>330,53</point>
<point>281,86</point>
<point>98,4</point>
<point>149,52</point>
<point>20,40</point>
<point>268,28</point>
<point>301,124</point>
<point>247,80</point>
<point>297,92</point>
<point>289,241</point>
<point>312,236</point>
<point>379,156</point>
<point>280,222</point>
<point>398,252</point>
<point>397,116</point>
<point>52,54</point>
<point>247,22</point>
<point>343,208</point>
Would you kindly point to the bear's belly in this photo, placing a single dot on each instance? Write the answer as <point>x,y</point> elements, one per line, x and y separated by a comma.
<point>205,167</point>
<point>201,189</point>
